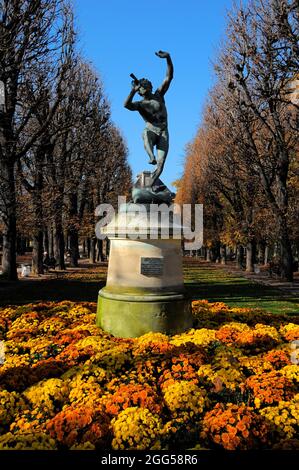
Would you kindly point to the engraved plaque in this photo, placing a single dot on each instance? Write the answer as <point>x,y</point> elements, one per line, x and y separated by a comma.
<point>152,267</point>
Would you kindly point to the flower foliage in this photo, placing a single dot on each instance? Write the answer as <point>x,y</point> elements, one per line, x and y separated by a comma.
<point>228,382</point>
<point>235,427</point>
<point>79,424</point>
<point>136,428</point>
<point>284,418</point>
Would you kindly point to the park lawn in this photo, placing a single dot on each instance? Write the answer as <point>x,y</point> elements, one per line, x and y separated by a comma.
<point>202,282</point>
<point>217,285</point>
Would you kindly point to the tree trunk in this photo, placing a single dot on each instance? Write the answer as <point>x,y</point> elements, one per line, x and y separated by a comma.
<point>59,246</point>
<point>73,237</point>
<point>286,256</point>
<point>9,264</point>
<point>73,247</point>
<point>46,241</point>
<point>84,248</point>
<point>266,259</point>
<point>51,247</point>
<point>88,247</point>
<point>37,253</point>
<point>66,241</point>
<point>216,252</point>
<point>78,248</point>
<point>240,256</point>
<point>250,257</point>
<point>92,258</point>
<point>107,247</point>
<point>59,240</point>
<point>208,255</point>
<point>21,245</point>
<point>9,261</point>
<point>223,254</point>
<point>36,195</point>
<point>100,250</point>
<point>261,253</point>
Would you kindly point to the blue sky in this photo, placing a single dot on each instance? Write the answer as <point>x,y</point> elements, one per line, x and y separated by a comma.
<point>121,36</point>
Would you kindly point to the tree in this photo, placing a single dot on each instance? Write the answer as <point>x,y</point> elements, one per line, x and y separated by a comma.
<point>259,60</point>
<point>248,141</point>
<point>33,34</point>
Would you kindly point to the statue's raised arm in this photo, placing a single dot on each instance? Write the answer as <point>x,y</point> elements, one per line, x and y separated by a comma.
<point>169,73</point>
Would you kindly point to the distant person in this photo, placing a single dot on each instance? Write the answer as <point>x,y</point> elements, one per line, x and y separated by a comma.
<point>52,263</point>
<point>46,257</point>
<point>46,261</point>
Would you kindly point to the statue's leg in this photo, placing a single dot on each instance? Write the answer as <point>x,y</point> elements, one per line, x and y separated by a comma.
<point>162,151</point>
<point>149,139</point>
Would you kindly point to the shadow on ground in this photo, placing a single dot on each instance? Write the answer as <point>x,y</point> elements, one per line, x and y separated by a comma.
<point>55,290</point>
<point>202,281</point>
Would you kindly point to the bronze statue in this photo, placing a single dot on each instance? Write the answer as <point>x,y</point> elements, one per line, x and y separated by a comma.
<point>153,110</point>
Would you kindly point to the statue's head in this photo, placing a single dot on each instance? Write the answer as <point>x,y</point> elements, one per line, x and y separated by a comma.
<point>145,87</point>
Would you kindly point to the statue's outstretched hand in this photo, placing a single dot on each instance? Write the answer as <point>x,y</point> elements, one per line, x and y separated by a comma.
<point>162,54</point>
<point>135,86</point>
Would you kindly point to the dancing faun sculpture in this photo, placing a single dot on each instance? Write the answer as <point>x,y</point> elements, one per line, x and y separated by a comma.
<point>153,110</point>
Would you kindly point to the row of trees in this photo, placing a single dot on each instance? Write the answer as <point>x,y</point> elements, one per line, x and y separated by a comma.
<point>243,164</point>
<point>60,154</point>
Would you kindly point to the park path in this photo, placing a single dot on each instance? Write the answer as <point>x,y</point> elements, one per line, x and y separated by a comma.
<point>291,288</point>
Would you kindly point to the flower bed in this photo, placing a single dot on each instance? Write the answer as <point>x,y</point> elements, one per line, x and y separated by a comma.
<point>227,383</point>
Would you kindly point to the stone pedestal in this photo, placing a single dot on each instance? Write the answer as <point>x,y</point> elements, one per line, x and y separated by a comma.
<point>145,289</point>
